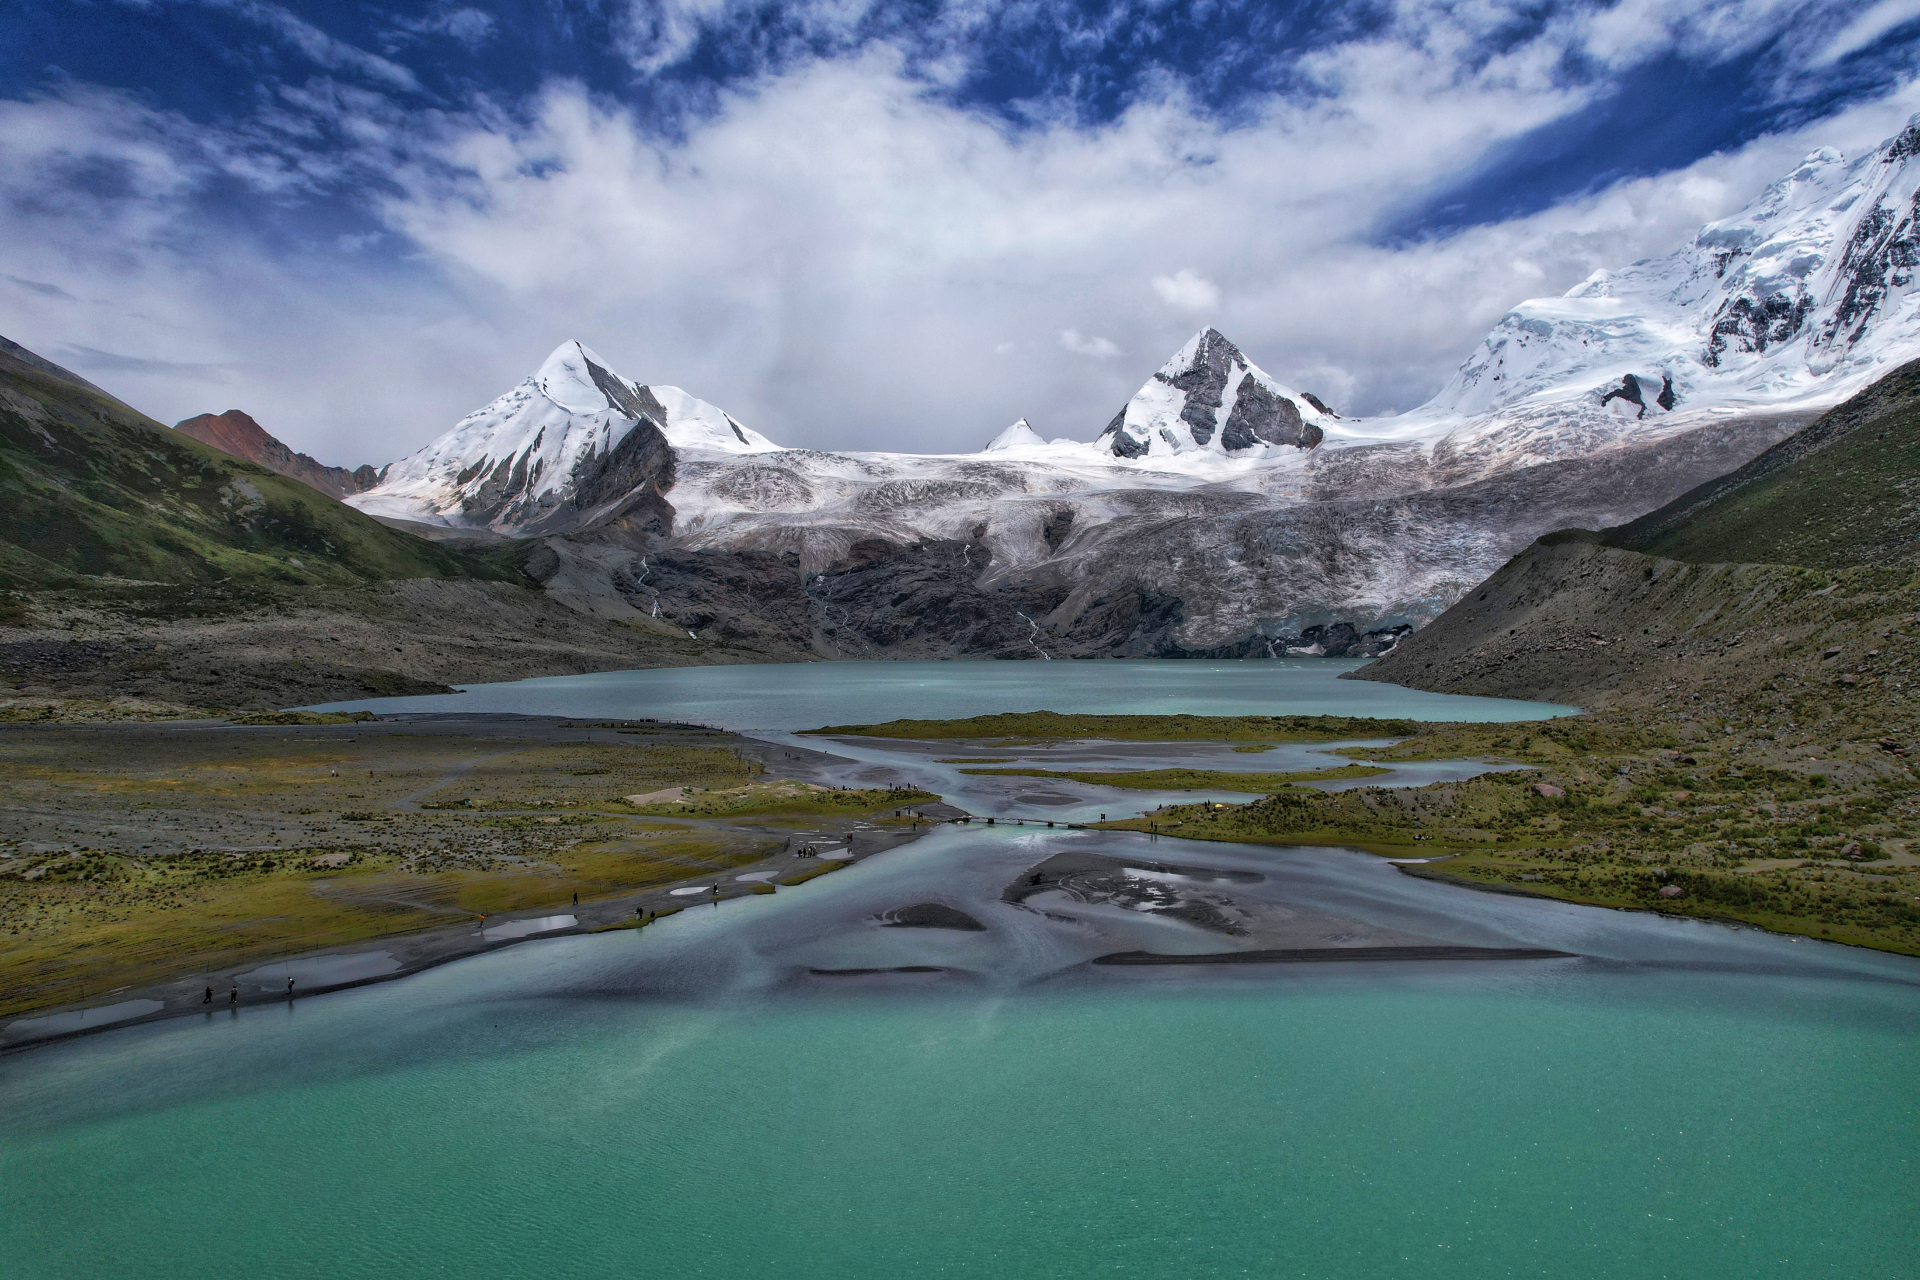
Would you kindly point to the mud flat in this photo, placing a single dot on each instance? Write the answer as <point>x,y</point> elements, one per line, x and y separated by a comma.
<point>1324,955</point>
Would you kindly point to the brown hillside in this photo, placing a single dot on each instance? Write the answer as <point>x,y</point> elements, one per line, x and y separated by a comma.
<point>235,432</point>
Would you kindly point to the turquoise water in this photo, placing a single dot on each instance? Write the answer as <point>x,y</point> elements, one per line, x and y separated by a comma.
<point>1673,1099</point>
<point>808,695</point>
<point>1443,1126</point>
<point>1680,1100</point>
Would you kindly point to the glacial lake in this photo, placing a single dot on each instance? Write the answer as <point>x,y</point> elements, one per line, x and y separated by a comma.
<point>783,1086</point>
<point>808,695</point>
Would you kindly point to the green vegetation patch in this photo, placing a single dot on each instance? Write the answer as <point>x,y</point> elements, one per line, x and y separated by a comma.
<point>191,850</point>
<point>818,869</point>
<point>1610,816</point>
<point>90,487</point>
<point>1838,493</point>
<point>301,717</point>
<point>1191,779</point>
<point>1052,725</point>
<point>795,798</point>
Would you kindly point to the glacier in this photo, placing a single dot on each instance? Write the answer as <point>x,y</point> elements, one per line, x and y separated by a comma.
<point>1220,512</point>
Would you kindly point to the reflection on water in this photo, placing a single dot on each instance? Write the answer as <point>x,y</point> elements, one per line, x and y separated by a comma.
<point>526,928</point>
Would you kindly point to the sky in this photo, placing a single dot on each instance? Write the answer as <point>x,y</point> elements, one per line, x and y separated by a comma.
<point>866,224</point>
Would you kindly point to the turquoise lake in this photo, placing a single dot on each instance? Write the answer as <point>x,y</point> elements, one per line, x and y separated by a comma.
<point>808,695</point>
<point>1673,1098</point>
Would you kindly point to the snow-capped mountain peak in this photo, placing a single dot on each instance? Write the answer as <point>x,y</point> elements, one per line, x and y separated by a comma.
<point>577,380</point>
<point>1800,298</point>
<point>1209,398</point>
<point>1018,436</point>
<point>555,446</point>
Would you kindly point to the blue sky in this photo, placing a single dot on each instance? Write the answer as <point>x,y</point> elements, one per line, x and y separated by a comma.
<point>897,223</point>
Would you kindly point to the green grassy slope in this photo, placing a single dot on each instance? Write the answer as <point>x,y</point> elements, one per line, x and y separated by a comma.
<point>91,487</point>
<point>1845,491</point>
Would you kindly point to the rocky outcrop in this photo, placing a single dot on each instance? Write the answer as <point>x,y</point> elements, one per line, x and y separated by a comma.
<point>237,434</point>
<point>1629,392</point>
<point>1708,586</point>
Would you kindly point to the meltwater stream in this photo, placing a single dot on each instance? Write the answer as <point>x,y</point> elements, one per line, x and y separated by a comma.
<point>799,1086</point>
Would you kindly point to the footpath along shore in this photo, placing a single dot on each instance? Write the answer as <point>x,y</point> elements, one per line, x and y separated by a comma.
<point>801,856</point>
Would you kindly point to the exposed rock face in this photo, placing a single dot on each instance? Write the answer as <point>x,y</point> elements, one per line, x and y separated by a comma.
<point>1208,390</point>
<point>1058,526</point>
<point>233,432</point>
<point>1203,572</point>
<point>1706,585</point>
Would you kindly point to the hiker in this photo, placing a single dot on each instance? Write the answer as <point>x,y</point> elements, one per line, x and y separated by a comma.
<point>576,899</point>
<point>208,998</point>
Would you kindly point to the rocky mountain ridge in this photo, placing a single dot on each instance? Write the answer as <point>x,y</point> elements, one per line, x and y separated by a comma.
<point>235,433</point>
<point>144,573</point>
<point>1220,511</point>
<point>1768,564</point>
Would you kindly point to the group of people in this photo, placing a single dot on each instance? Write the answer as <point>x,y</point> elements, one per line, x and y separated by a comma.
<point>233,994</point>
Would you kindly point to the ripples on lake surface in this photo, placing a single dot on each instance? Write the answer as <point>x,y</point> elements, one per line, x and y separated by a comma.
<point>1677,1099</point>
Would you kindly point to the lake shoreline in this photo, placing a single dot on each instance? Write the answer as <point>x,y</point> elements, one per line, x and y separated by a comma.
<point>184,996</point>
<point>415,950</point>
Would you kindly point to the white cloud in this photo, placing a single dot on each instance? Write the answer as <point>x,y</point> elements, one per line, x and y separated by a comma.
<point>471,27</point>
<point>1098,348</point>
<point>836,255</point>
<point>1867,28</point>
<point>323,49</point>
<point>1187,290</point>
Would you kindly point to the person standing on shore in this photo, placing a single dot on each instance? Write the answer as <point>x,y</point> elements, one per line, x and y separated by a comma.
<point>208,998</point>
<point>233,996</point>
<point>289,986</point>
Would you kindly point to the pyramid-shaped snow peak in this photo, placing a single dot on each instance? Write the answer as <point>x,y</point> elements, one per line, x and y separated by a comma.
<point>1211,399</point>
<point>574,437</point>
<point>1018,436</point>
